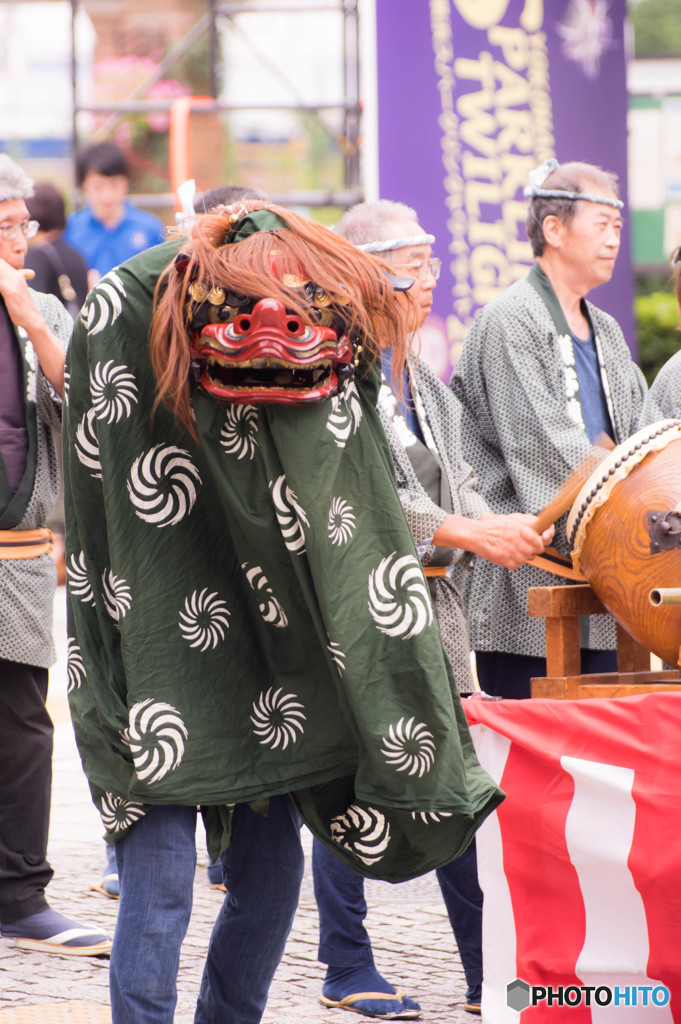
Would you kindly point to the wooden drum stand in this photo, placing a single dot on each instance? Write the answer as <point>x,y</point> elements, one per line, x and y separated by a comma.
<point>561,606</point>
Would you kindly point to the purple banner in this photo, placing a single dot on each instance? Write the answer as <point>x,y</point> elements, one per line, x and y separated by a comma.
<point>472,96</point>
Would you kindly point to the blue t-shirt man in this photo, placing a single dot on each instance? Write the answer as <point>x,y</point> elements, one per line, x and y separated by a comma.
<point>109,229</point>
<point>105,246</point>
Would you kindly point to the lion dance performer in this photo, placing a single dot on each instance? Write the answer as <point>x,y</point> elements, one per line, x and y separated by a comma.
<point>249,627</point>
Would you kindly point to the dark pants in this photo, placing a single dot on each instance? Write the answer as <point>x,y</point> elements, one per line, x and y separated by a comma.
<point>343,939</point>
<point>508,675</point>
<point>25,788</point>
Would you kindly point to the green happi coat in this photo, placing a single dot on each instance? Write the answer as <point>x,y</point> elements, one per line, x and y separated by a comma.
<point>247,616</point>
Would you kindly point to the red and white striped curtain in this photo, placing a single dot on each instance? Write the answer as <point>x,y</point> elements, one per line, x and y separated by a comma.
<point>581,864</point>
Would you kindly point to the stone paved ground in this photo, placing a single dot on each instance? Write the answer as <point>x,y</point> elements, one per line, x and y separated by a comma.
<point>411,936</point>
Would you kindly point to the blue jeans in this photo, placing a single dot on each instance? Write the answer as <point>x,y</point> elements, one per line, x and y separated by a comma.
<point>343,939</point>
<point>156,865</point>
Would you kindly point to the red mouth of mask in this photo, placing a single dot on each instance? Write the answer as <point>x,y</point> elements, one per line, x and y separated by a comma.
<point>269,355</point>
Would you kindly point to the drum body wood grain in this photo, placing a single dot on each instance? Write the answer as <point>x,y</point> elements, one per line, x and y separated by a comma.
<point>625,532</point>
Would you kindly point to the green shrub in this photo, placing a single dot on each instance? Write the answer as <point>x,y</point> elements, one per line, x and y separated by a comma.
<point>657,317</point>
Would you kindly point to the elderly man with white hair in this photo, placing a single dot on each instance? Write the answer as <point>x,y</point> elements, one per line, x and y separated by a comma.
<point>34,331</point>
<point>451,524</point>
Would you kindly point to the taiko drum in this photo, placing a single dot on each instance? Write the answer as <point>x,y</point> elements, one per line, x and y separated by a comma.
<point>624,530</point>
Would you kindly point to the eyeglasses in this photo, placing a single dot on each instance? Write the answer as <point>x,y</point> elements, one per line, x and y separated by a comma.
<point>28,228</point>
<point>422,268</point>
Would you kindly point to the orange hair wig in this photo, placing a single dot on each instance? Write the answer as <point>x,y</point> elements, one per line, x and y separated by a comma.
<point>272,264</point>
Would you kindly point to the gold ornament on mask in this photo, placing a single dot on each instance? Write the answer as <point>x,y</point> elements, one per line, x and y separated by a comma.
<point>293,281</point>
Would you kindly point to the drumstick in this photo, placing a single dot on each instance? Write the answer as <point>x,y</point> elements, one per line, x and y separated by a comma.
<point>28,274</point>
<point>568,491</point>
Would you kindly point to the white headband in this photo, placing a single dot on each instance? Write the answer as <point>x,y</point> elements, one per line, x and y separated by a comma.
<point>556,193</point>
<point>539,175</point>
<point>396,243</point>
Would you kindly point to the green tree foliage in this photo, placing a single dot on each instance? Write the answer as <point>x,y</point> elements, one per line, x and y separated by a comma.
<point>657,318</point>
<point>657,27</point>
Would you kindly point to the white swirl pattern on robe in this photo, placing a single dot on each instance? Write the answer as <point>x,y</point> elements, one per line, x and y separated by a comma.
<point>345,415</point>
<point>409,747</point>
<point>117,595</point>
<point>277,718</point>
<point>337,656</point>
<point>162,485</point>
<point>113,390</point>
<point>270,607</point>
<point>205,620</point>
<point>431,817</point>
<point>104,305</point>
<point>156,736</point>
<point>400,618</point>
<point>75,668</point>
<point>77,579</point>
<point>342,521</point>
<point>87,445</point>
<point>362,830</point>
<point>237,436</point>
<point>119,814</point>
<point>290,516</point>
<point>65,390</point>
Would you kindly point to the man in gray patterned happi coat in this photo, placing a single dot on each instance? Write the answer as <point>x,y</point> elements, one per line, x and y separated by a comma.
<point>542,373</point>
<point>450,523</point>
<point>34,330</point>
<point>664,396</point>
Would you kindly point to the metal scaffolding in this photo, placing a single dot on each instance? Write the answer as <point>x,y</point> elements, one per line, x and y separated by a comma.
<point>220,17</point>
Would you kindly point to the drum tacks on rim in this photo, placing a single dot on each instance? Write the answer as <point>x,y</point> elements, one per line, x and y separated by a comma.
<point>624,529</point>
